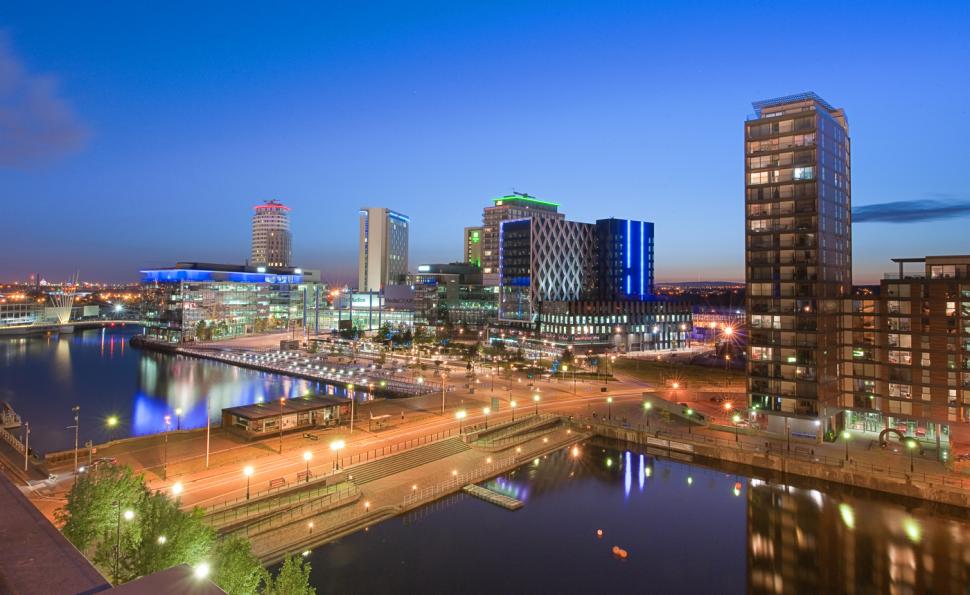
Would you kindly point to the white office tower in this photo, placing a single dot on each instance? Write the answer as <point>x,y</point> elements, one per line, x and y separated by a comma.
<point>383,249</point>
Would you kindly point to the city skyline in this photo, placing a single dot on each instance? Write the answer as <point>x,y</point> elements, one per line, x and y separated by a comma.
<point>194,131</point>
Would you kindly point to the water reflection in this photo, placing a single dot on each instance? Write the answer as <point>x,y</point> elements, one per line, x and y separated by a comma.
<point>44,376</point>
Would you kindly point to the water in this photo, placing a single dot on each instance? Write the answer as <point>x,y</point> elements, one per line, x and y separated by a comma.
<point>687,529</point>
<point>43,377</point>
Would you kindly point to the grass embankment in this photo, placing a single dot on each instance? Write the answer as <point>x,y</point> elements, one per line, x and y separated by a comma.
<point>688,376</point>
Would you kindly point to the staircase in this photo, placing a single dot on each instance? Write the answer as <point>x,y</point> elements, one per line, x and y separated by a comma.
<point>409,459</point>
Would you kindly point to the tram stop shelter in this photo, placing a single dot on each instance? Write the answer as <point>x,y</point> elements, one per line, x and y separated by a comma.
<point>301,413</point>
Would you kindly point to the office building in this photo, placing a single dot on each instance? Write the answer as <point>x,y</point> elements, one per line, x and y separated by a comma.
<point>383,249</point>
<point>272,241</point>
<point>200,301</point>
<point>624,259</point>
<point>798,258</point>
<point>517,205</point>
<point>453,294</point>
<point>473,246</point>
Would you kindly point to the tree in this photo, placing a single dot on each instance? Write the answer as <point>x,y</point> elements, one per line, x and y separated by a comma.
<point>200,331</point>
<point>91,512</point>
<point>567,356</point>
<point>187,538</point>
<point>236,570</point>
<point>293,578</point>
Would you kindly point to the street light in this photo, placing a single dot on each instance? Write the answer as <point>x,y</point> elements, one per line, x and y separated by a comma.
<point>112,421</point>
<point>911,446</point>
<point>460,415</point>
<point>283,400</point>
<point>336,446</point>
<point>177,488</point>
<point>486,411</point>
<point>306,457</point>
<point>76,409</point>
<point>512,405</point>
<point>690,422</point>
<point>737,428</point>
<point>609,403</point>
<point>248,472</point>
<point>178,418</point>
<point>128,515</point>
<point>846,436</point>
<point>168,426</point>
<point>536,399</point>
<point>647,406</point>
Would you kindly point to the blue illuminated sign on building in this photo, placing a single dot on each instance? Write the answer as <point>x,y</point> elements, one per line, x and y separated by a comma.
<point>178,275</point>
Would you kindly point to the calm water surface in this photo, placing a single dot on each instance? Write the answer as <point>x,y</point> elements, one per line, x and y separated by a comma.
<point>686,529</point>
<point>42,377</point>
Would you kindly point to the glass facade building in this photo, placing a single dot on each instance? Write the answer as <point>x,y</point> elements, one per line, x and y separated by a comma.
<point>798,265</point>
<point>514,206</point>
<point>383,256</point>
<point>198,301</point>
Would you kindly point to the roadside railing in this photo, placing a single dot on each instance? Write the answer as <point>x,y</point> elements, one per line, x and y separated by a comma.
<point>344,495</point>
<point>774,449</point>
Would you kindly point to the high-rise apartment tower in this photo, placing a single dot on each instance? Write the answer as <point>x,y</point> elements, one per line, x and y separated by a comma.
<point>798,264</point>
<point>272,241</point>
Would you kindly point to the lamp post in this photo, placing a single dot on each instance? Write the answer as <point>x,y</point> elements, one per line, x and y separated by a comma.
<point>306,457</point>
<point>911,446</point>
<point>485,412</point>
<point>737,429</point>
<point>536,399</point>
<point>512,405</point>
<point>845,437</point>
<point>168,425</point>
<point>248,472</point>
<point>609,403</point>
<point>647,406</point>
<point>335,446</point>
<point>178,418</point>
<point>282,400</point>
<point>460,415</point>
<point>690,421</point>
<point>128,515</point>
<point>76,409</point>
<point>26,443</point>
<point>350,388</point>
<point>442,393</point>
<point>788,432</point>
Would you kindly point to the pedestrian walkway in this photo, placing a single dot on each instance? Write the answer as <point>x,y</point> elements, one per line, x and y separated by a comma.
<point>409,459</point>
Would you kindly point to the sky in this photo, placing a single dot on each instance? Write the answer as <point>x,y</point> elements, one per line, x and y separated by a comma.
<point>137,134</point>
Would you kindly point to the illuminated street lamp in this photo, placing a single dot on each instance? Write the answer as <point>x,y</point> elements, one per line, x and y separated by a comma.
<point>178,418</point>
<point>248,472</point>
<point>536,399</point>
<point>283,400</point>
<point>306,457</point>
<point>485,412</point>
<point>911,446</point>
<point>690,422</point>
<point>512,405</point>
<point>737,429</point>
<point>336,446</point>
<point>177,489</point>
<point>609,403</point>
<point>845,436</point>
<point>127,515</point>
<point>460,415</point>
<point>168,426</point>
<point>112,421</point>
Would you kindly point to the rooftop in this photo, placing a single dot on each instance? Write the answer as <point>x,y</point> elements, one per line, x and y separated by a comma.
<point>272,408</point>
<point>179,579</point>
<point>785,100</point>
<point>37,558</point>
<point>523,197</point>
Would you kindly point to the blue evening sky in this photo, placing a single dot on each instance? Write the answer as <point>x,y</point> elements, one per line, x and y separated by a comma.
<point>139,134</point>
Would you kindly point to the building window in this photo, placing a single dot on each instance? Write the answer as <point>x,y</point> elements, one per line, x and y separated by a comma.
<point>804,173</point>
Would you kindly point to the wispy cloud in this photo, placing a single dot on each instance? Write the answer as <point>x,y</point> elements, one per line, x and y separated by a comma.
<point>911,211</point>
<point>36,123</point>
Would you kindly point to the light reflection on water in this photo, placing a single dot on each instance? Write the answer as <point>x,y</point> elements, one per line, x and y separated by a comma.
<point>42,377</point>
<point>720,533</point>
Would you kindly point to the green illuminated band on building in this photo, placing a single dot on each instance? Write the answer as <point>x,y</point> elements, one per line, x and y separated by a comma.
<point>523,198</point>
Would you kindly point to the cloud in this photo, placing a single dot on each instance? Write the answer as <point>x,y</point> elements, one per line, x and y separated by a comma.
<point>911,211</point>
<point>36,124</point>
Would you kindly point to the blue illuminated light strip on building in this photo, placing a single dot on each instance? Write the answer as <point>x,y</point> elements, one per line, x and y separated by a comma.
<point>628,283</point>
<point>177,275</point>
<point>628,255</point>
<point>394,215</point>
<point>641,258</point>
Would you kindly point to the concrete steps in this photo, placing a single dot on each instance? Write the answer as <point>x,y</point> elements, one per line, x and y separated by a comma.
<point>409,459</point>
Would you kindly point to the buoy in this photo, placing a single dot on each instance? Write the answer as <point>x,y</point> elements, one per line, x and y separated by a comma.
<point>599,533</point>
